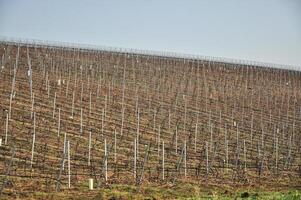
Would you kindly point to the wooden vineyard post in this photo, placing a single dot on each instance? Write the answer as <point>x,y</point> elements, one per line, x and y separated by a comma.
<point>67,87</point>
<point>81,121</point>
<point>211,137</point>
<point>176,148</point>
<point>65,148</point>
<point>154,120</point>
<point>195,136</point>
<point>72,109</point>
<point>237,137</point>
<point>163,151</point>
<point>33,139</point>
<point>287,162</point>
<point>32,106</point>
<point>54,102</point>
<point>169,120</point>
<point>106,161</point>
<point>10,103</point>
<point>122,121</point>
<point>81,94</point>
<point>123,84</point>
<point>252,124</point>
<point>102,121</point>
<point>29,73</point>
<point>158,140</point>
<point>90,104</point>
<point>185,113</point>
<point>225,136</point>
<point>220,121</point>
<point>115,146</point>
<point>276,162</point>
<point>227,156</point>
<point>69,168</point>
<point>135,159</point>
<point>48,87</point>
<point>136,107</point>
<point>262,137</point>
<point>105,109</point>
<point>89,148</point>
<point>138,124</point>
<point>46,84</point>
<point>245,155</point>
<point>109,95</point>
<point>59,124</point>
<point>207,159</point>
<point>185,159</point>
<point>6,129</point>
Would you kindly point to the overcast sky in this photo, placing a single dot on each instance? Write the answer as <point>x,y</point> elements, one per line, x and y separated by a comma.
<point>260,30</point>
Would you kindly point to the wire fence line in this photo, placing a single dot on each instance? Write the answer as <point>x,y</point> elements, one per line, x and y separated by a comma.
<point>89,47</point>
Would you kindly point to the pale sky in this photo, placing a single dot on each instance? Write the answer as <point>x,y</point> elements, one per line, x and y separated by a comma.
<point>259,30</point>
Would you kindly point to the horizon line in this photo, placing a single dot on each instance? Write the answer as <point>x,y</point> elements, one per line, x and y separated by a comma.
<point>93,47</point>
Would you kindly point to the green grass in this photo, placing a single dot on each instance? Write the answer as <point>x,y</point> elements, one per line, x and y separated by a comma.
<point>191,191</point>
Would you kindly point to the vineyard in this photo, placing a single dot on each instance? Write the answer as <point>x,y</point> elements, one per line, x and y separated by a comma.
<point>69,115</point>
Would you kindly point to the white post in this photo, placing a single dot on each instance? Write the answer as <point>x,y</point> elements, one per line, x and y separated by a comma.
<point>6,129</point>
<point>81,121</point>
<point>102,120</point>
<point>169,120</point>
<point>135,158</point>
<point>90,183</point>
<point>59,124</point>
<point>89,149</point>
<point>32,106</point>
<point>122,121</point>
<point>154,120</point>
<point>163,159</point>
<point>65,149</point>
<point>237,137</point>
<point>115,146</point>
<point>252,131</point>
<point>81,94</point>
<point>72,109</point>
<point>67,87</point>
<point>123,86</point>
<point>185,114</point>
<point>211,137</point>
<point>33,139</point>
<point>69,171</point>
<point>54,101</point>
<point>90,104</point>
<point>48,88</point>
<point>245,155</point>
<point>138,126</point>
<point>227,155</point>
<point>159,129</point>
<point>106,162</point>
<point>207,159</point>
<point>185,157</point>
<point>106,105</point>
<point>10,102</point>
<point>195,136</point>
<point>277,155</point>
<point>176,140</point>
